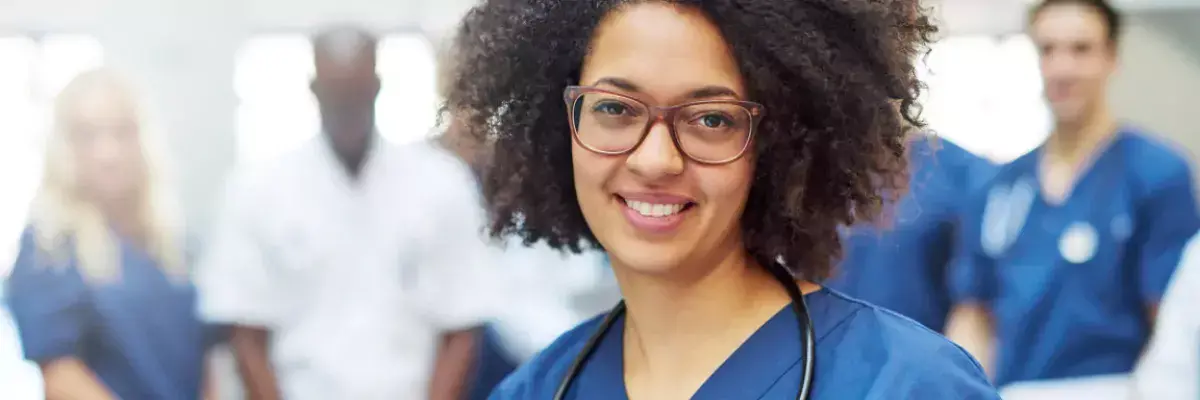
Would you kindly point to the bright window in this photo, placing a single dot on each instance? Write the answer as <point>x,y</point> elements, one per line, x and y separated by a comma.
<point>277,111</point>
<point>407,107</point>
<point>985,94</point>
<point>33,71</point>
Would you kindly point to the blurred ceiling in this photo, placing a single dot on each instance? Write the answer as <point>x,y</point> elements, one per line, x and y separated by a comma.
<point>956,16</point>
<point>1007,16</point>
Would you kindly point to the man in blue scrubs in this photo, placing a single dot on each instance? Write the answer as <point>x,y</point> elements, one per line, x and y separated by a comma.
<point>903,268</point>
<point>1068,251</point>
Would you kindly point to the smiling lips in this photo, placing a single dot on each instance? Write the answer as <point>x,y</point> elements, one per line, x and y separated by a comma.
<point>655,213</point>
<point>654,210</point>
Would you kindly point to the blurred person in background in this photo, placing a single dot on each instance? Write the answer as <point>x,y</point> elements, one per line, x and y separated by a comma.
<point>347,268</point>
<point>100,289</point>
<point>1067,253</point>
<point>1170,368</point>
<point>904,266</point>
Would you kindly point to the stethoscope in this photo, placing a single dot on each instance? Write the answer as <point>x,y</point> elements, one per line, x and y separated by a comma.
<point>799,307</point>
<point>1007,209</point>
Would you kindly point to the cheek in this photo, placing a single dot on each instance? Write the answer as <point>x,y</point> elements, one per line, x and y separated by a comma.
<point>1098,75</point>
<point>591,172</point>
<point>727,186</point>
<point>89,178</point>
<point>86,164</point>
<point>109,171</point>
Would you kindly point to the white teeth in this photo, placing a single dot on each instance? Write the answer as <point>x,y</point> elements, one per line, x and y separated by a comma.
<point>654,210</point>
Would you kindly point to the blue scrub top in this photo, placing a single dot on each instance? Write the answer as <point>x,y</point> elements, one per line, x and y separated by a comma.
<point>1069,285</point>
<point>903,267</point>
<point>139,334</point>
<point>863,352</point>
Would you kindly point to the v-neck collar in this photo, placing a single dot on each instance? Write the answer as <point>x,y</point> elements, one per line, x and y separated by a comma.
<point>1086,170</point>
<point>341,175</point>
<point>753,369</point>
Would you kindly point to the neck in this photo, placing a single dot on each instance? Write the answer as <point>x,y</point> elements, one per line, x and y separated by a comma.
<point>124,218</point>
<point>680,330</point>
<point>353,165</point>
<point>1072,142</point>
<point>353,159</point>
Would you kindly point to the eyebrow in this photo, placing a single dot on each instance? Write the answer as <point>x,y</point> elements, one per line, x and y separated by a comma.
<point>706,92</point>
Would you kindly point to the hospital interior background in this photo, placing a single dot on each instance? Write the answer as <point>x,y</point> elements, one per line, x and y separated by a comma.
<point>228,82</point>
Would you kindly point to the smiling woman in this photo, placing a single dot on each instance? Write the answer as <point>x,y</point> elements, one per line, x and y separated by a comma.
<point>713,155</point>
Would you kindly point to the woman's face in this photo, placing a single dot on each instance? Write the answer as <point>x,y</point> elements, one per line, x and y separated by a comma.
<point>663,55</point>
<point>103,136</point>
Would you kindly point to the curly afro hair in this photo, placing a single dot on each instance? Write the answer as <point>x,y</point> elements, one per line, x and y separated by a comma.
<point>836,76</point>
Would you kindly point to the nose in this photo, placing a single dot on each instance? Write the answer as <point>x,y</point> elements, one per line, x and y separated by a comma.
<point>657,156</point>
<point>106,148</point>
<point>1058,65</point>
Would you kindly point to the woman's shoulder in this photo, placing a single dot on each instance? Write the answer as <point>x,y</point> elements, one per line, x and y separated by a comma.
<point>37,254</point>
<point>896,349</point>
<point>539,377</point>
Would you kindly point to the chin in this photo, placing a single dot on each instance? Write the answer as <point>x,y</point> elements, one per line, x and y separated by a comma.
<point>647,258</point>
<point>1067,112</point>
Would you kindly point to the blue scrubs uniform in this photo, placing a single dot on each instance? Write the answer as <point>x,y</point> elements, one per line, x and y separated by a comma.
<point>904,267</point>
<point>139,334</point>
<point>1069,285</point>
<point>863,352</point>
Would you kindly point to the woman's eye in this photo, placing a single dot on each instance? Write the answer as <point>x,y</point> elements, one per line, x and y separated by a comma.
<point>713,121</point>
<point>611,108</point>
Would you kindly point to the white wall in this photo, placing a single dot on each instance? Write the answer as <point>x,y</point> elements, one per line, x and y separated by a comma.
<point>1158,86</point>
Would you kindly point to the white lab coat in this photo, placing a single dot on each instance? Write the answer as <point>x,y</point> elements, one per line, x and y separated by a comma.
<point>1170,369</point>
<point>356,280</point>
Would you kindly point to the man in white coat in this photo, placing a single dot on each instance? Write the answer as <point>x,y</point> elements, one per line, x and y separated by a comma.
<point>348,268</point>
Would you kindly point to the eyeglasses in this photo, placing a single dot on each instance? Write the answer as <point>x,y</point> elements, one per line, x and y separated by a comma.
<point>708,132</point>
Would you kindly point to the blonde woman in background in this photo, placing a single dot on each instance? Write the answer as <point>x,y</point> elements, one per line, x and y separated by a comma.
<point>99,289</point>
